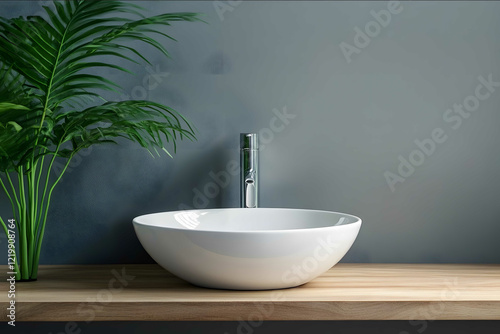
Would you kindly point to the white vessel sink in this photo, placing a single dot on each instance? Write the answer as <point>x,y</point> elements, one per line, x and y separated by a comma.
<point>247,249</point>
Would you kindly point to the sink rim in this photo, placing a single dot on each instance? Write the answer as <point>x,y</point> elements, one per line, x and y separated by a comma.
<point>357,221</point>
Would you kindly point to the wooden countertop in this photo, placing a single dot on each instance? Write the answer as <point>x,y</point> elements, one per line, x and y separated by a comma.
<point>345,292</point>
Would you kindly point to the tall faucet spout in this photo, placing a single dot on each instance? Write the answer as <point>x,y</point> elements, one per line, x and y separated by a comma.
<point>249,170</point>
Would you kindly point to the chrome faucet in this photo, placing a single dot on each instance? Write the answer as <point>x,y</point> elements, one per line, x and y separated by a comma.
<point>249,170</point>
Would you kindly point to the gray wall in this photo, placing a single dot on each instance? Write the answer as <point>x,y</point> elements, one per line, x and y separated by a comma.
<point>351,122</point>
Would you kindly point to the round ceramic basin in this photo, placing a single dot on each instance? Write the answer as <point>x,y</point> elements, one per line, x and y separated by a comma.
<point>247,249</point>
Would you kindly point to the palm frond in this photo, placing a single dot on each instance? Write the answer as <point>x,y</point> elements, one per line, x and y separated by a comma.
<point>47,74</point>
<point>149,124</point>
<point>18,115</point>
<point>50,64</point>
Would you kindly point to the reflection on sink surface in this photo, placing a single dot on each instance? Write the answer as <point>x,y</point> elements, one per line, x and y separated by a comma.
<point>247,249</point>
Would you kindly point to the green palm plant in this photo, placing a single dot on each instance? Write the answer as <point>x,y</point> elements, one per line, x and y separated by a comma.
<point>50,105</point>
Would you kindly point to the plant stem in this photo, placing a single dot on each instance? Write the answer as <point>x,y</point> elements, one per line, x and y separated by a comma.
<point>23,233</point>
<point>36,186</point>
<point>37,191</point>
<point>14,194</point>
<point>27,203</point>
<point>40,215</point>
<point>43,222</point>
<point>32,212</point>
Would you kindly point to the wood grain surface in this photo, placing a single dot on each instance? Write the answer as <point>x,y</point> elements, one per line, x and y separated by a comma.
<point>346,292</point>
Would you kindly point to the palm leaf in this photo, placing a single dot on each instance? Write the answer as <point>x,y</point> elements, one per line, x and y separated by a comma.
<point>49,62</point>
<point>47,81</point>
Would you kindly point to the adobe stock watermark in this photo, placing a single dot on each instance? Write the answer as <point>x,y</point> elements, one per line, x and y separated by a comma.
<point>454,118</point>
<point>11,280</point>
<point>89,309</point>
<point>420,320</point>
<point>308,267</point>
<point>373,28</point>
<point>221,179</point>
<point>222,7</point>
<point>150,81</point>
